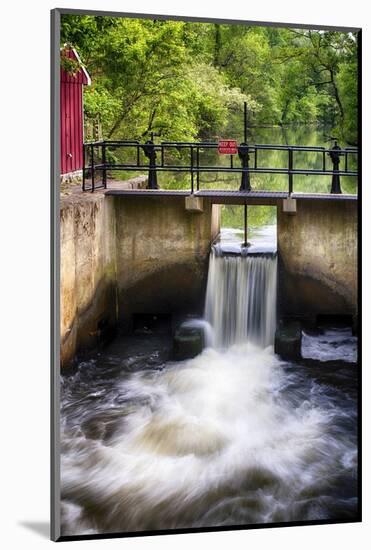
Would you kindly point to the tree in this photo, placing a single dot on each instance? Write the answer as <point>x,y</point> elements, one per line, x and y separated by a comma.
<point>185,80</point>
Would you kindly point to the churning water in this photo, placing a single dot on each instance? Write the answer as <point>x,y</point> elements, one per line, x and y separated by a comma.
<point>234,436</point>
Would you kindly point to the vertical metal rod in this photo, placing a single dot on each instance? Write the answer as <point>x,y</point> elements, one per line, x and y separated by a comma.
<point>83,167</point>
<point>245,122</point>
<point>245,225</point>
<point>104,165</point>
<point>335,154</point>
<point>138,155</point>
<point>198,167</point>
<point>92,168</point>
<point>150,152</point>
<point>255,158</point>
<point>192,180</point>
<point>324,161</point>
<point>243,153</point>
<point>291,177</point>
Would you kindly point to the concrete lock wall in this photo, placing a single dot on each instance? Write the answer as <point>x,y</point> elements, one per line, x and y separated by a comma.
<point>88,271</point>
<point>162,254</point>
<point>125,255</point>
<point>122,255</point>
<point>317,251</point>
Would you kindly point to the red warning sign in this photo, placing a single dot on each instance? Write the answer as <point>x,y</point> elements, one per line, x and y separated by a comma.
<point>227,147</point>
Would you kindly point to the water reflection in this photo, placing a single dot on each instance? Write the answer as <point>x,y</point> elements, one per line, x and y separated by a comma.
<point>298,135</point>
<point>261,240</point>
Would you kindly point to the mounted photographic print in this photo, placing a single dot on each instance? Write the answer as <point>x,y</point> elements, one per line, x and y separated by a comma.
<point>206,185</point>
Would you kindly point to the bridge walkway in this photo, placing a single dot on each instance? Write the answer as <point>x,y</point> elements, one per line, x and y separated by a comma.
<point>231,197</point>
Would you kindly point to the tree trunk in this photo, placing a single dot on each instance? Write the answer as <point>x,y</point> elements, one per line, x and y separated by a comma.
<point>336,94</point>
<point>116,125</point>
<point>217,45</point>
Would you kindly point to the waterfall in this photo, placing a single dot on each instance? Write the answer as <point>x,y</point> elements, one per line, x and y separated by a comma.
<point>241,298</point>
<point>231,437</point>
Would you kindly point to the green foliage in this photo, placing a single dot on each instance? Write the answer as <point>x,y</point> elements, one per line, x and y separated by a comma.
<point>347,80</point>
<point>71,66</point>
<point>184,80</point>
<point>257,216</point>
<point>213,99</point>
<point>99,102</point>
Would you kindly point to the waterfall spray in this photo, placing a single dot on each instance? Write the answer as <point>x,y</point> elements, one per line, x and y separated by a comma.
<point>233,436</point>
<point>241,298</point>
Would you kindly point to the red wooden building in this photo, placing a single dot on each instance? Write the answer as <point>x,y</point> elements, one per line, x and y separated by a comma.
<point>71,114</point>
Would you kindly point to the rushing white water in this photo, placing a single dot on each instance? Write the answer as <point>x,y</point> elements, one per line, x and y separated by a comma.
<point>232,437</point>
<point>216,440</point>
<point>332,344</point>
<point>241,298</point>
<point>207,329</point>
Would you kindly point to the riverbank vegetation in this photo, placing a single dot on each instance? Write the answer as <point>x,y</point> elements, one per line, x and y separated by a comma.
<point>186,80</point>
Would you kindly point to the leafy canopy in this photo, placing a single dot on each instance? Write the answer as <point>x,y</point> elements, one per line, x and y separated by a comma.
<point>184,80</point>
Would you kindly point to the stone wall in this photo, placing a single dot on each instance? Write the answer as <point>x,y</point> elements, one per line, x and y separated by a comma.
<point>317,249</point>
<point>72,177</point>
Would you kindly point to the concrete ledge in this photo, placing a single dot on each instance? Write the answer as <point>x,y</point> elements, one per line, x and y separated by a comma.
<point>287,341</point>
<point>289,206</point>
<point>188,342</point>
<point>138,182</point>
<point>194,204</point>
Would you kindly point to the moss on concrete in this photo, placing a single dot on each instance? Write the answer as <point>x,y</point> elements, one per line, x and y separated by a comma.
<point>317,250</point>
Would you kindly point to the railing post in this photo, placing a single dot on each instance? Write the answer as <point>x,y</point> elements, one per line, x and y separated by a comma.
<point>92,168</point>
<point>245,226</point>
<point>198,168</point>
<point>243,153</point>
<point>291,176</point>
<point>335,155</point>
<point>104,174</point>
<point>150,153</point>
<point>192,175</point>
<point>83,167</point>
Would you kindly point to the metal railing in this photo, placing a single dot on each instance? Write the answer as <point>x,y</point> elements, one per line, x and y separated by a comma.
<point>151,157</point>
